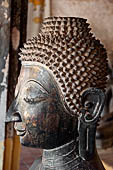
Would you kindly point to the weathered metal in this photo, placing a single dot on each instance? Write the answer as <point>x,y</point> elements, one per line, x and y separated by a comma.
<point>93,102</point>
<point>62,158</point>
<point>43,121</point>
<point>40,110</point>
<point>68,48</point>
<point>73,154</point>
<point>48,97</point>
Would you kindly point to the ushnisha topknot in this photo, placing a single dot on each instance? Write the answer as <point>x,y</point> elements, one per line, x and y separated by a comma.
<point>77,60</point>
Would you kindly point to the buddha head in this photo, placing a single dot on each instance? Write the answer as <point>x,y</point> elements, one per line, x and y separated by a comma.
<point>62,61</point>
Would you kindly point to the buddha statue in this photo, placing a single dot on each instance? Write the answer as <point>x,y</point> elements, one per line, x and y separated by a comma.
<point>60,94</point>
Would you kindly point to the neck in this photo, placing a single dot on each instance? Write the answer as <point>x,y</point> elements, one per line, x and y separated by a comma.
<point>64,157</point>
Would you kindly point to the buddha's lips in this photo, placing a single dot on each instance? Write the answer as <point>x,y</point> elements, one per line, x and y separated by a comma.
<point>21,132</point>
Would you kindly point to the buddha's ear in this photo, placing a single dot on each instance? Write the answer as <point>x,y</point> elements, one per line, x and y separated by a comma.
<point>93,102</point>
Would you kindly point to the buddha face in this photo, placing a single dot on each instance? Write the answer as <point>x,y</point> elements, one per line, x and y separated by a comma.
<point>40,116</point>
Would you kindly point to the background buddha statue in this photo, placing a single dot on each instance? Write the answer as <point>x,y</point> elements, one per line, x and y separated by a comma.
<point>57,66</point>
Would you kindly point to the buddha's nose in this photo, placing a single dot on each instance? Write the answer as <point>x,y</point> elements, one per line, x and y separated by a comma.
<point>13,114</point>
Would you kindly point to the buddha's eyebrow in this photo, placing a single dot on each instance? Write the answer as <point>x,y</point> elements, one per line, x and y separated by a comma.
<point>32,80</point>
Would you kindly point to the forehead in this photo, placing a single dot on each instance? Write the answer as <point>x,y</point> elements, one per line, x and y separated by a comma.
<point>37,73</point>
<point>29,72</point>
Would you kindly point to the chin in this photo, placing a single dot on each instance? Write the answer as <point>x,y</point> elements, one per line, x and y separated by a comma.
<point>26,141</point>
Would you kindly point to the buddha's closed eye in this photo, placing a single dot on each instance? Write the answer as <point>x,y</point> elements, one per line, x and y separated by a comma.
<point>34,100</point>
<point>33,92</point>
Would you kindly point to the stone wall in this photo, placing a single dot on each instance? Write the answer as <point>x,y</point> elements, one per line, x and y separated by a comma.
<point>98,12</point>
<point>4,48</point>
